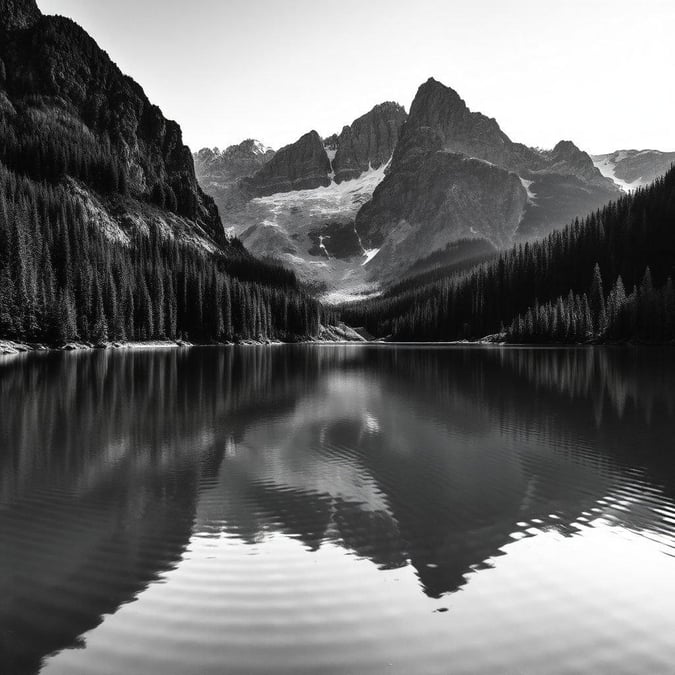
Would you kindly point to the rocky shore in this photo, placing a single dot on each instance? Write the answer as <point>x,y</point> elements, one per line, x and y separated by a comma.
<point>334,334</point>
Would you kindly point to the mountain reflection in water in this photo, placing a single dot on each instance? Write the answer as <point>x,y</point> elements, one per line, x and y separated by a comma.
<point>112,464</point>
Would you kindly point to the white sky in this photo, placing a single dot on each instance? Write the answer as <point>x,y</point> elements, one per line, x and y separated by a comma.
<point>598,72</point>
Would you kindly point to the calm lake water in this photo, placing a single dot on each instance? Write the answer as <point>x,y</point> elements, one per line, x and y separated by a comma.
<point>338,509</point>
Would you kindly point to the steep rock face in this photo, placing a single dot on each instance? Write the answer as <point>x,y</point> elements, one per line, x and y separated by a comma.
<point>368,142</point>
<point>567,159</point>
<point>459,130</point>
<point>567,185</point>
<point>631,169</point>
<point>455,174</point>
<point>18,14</point>
<point>75,114</point>
<point>434,198</point>
<point>302,165</point>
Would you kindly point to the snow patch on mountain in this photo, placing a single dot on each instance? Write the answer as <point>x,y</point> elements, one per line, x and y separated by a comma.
<point>335,199</point>
<point>330,153</point>
<point>527,184</point>
<point>606,164</point>
<point>337,297</point>
<point>369,255</point>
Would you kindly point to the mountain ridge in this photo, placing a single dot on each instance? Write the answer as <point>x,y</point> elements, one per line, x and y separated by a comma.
<point>70,99</point>
<point>455,174</point>
<point>412,194</point>
<point>299,207</point>
<point>302,165</point>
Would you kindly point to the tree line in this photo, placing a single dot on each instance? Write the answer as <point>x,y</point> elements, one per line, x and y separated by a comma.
<point>63,278</point>
<point>540,291</point>
<point>646,313</point>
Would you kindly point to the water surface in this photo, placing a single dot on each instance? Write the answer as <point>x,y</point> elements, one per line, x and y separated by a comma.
<point>338,509</point>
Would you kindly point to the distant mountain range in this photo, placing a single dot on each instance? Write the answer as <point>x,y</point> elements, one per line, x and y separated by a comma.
<point>392,191</point>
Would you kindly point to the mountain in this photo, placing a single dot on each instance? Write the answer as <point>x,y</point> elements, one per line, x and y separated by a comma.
<point>105,233</point>
<point>608,277</point>
<point>303,165</point>
<point>232,163</point>
<point>455,174</point>
<point>631,169</point>
<point>369,142</point>
<point>67,109</point>
<point>219,172</point>
<point>391,191</point>
<point>299,206</point>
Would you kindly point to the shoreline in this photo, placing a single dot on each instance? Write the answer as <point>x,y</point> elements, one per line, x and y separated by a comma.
<point>13,348</point>
<point>339,334</point>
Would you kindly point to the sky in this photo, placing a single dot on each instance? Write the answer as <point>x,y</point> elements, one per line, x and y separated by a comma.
<point>597,72</point>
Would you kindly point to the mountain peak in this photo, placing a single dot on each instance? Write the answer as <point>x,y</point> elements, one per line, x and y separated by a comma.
<point>18,14</point>
<point>433,82</point>
<point>434,88</point>
<point>565,148</point>
<point>387,105</point>
<point>302,165</point>
<point>253,146</point>
<point>569,158</point>
<point>369,141</point>
<point>440,120</point>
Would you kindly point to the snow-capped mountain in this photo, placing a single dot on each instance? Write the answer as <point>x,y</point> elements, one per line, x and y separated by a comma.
<point>631,169</point>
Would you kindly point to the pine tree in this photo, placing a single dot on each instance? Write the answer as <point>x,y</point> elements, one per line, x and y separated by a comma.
<point>669,310</point>
<point>597,302</point>
<point>100,323</point>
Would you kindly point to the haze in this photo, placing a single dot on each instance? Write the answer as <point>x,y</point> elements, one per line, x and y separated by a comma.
<point>593,71</point>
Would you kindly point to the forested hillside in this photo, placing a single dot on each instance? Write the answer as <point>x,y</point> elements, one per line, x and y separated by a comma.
<point>104,232</point>
<point>61,278</point>
<point>606,277</point>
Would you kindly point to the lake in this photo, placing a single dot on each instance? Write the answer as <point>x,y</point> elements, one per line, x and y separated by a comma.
<point>338,509</point>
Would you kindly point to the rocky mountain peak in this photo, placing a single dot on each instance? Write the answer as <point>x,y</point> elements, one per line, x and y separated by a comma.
<point>567,158</point>
<point>18,14</point>
<point>303,165</point>
<point>441,118</point>
<point>566,150</point>
<point>369,141</point>
<point>236,161</point>
<point>455,174</point>
<point>249,146</point>
<point>434,95</point>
